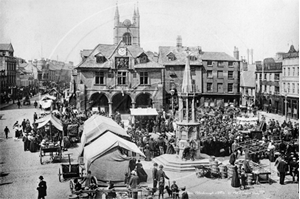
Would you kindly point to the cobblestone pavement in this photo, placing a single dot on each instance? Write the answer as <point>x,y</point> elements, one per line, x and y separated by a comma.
<point>24,168</point>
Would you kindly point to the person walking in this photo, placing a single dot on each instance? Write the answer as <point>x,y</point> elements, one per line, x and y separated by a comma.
<point>42,188</point>
<point>6,131</point>
<point>154,177</point>
<point>133,183</point>
<point>235,181</point>
<point>160,176</point>
<point>282,168</point>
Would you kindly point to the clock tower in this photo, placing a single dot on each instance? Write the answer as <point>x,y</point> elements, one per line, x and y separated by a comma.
<point>128,31</point>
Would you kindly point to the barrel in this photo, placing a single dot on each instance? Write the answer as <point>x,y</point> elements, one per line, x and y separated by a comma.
<point>223,175</point>
<point>73,196</point>
<point>214,167</point>
<point>249,178</point>
<point>211,159</point>
<point>83,195</point>
<point>223,171</point>
<point>229,171</point>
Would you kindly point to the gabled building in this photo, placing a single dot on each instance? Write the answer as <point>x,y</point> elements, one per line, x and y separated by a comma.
<point>215,75</point>
<point>8,69</point>
<point>117,77</point>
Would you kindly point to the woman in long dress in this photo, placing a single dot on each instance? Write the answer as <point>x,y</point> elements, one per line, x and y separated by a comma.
<point>235,181</point>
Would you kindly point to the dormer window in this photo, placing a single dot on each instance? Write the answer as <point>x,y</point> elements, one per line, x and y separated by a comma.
<point>143,59</point>
<point>171,56</point>
<point>100,59</point>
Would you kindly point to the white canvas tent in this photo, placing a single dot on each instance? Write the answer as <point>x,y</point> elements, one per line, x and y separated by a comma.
<point>104,159</point>
<point>50,118</point>
<point>97,125</point>
<point>45,103</point>
<point>101,142</point>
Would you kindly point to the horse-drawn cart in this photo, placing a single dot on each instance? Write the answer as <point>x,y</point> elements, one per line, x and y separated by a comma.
<point>69,171</point>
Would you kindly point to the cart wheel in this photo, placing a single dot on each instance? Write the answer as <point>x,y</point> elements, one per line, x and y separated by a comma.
<point>59,175</point>
<point>71,186</point>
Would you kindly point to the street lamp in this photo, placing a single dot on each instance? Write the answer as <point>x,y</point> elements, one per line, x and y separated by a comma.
<point>285,101</point>
<point>172,94</point>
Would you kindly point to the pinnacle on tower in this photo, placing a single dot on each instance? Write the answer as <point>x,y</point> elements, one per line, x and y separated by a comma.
<point>137,10</point>
<point>187,78</point>
<point>117,11</point>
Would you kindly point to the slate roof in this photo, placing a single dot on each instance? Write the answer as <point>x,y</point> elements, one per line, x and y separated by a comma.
<point>60,66</point>
<point>150,64</point>
<point>107,50</point>
<point>248,79</point>
<point>7,47</point>
<point>85,53</point>
<point>180,54</point>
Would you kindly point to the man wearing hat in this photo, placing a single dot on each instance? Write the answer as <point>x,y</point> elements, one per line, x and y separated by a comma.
<point>133,183</point>
<point>294,166</point>
<point>42,188</point>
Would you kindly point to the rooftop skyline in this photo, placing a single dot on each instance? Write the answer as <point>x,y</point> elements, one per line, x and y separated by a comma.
<point>60,29</point>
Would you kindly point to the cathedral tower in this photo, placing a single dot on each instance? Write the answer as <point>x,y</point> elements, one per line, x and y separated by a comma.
<point>127,30</point>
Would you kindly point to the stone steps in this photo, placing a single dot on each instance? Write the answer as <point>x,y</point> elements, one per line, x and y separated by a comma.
<point>171,163</point>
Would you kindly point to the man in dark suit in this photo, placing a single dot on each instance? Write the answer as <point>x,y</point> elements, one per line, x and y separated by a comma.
<point>154,177</point>
<point>282,168</point>
<point>42,188</point>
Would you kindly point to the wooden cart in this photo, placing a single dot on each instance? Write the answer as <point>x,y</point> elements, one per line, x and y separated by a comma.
<point>69,171</point>
<point>53,151</point>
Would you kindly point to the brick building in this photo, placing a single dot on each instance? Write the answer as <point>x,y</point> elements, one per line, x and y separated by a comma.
<point>119,76</point>
<point>215,75</point>
<point>268,76</point>
<point>290,83</point>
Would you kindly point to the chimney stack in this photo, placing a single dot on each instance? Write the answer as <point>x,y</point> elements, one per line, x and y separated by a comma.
<point>179,41</point>
<point>248,56</point>
<point>236,53</point>
<point>251,53</point>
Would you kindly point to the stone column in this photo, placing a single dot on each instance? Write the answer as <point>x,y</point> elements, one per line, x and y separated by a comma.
<point>180,103</point>
<point>110,109</point>
<point>133,104</point>
<point>193,110</point>
<point>187,109</point>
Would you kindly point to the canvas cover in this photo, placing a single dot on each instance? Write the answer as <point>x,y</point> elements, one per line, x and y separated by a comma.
<point>95,127</point>
<point>103,153</point>
<point>50,118</point>
<point>143,111</point>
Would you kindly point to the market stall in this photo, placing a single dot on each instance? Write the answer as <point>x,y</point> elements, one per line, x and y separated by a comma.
<point>52,134</point>
<point>141,116</point>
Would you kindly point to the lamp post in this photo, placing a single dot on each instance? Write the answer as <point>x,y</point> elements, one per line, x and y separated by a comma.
<point>285,101</point>
<point>172,94</point>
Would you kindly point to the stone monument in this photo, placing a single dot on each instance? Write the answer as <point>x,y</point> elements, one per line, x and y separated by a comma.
<point>187,125</point>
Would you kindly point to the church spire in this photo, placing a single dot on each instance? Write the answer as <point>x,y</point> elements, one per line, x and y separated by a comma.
<point>137,10</point>
<point>187,78</point>
<point>117,16</point>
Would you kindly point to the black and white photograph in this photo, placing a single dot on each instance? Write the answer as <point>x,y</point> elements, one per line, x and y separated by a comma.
<point>149,99</point>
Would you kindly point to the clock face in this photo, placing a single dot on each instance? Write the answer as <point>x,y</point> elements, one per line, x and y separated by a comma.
<point>122,51</point>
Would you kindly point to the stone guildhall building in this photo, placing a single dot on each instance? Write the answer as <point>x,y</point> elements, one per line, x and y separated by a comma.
<point>119,76</point>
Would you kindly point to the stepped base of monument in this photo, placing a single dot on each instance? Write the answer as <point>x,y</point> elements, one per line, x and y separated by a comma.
<point>172,162</point>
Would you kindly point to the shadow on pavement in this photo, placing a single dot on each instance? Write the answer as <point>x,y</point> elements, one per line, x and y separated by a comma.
<point>3,174</point>
<point>5,183</point>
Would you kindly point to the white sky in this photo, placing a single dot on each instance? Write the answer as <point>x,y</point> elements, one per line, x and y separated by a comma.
<point>61,28</point>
